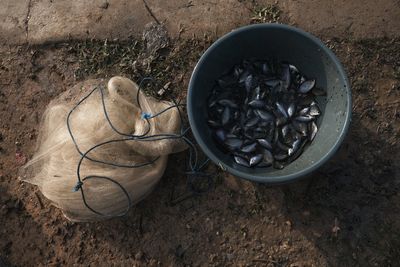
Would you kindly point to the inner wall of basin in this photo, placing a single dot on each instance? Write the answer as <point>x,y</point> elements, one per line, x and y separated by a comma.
<point>289,46</point>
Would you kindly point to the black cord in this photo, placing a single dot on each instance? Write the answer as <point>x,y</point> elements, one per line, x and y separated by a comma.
<point>193,174</point>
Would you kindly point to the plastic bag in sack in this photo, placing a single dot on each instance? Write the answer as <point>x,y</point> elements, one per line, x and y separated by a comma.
<point>54,166</point>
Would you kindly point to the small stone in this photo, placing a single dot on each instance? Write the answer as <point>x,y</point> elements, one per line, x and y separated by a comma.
<point>156,37</point>
<point>20,158</point>
<point>212,258</point>
<point>306,213</point>
<point>153,263</point>
<point>17,204</point>
<point>139,256</point>
<point>104,5</point>
<point>179,251</point>
<point>4,210</point>
<point>336,228</point>
<point>229,256</point>
<point>285,244</point>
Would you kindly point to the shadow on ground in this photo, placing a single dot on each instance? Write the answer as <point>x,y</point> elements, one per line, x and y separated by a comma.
<point>356,196</point>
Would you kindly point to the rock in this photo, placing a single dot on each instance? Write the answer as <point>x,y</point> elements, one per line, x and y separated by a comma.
<point>156,37</point>
<point>229,256</point>
<point>17,204</point>
<point>153,263</point>
<point>289,224</point>
<point>3,211</point>
<point>139,256</point>
<point>306,213</point>
<point>179,251</point>
<point>20,158</point>
<point>104,5</point>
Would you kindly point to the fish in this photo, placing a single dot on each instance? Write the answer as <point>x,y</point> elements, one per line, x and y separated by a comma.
<point>313,130</point>
<point>285,130</point>
<point>305,118</point>
<point>291,110</point>
<point>280,120</point>
<point>252,122</point>
<point>254,160</point>
<point>268,158</point>
<point>249,148</point>
<point>306,86</point>
<point>304,111</point>
<point>282,109</point>
<point>317,91</point>
<point>228,103</point>
<point>295,146</point>
<point>213,123</point>
<point>241,161</point>
<point>281,156</point>
<point>225,81</point>
<point>264,113</point>
<point>226,116</point>
<point>282,146</point>
<point>248,83</point>
<point>272,83</point>
<point>233,143</point>
<point>265,143</point>
<point>300,127</point>
<point>266,69</point>
<point>285,76</point>
<point>237,70</point>
<point>278,165</point>
<point>314,110</point>
<point>257,103</point>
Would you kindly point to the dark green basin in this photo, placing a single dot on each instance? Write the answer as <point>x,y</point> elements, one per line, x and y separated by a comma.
<point>285,43</point>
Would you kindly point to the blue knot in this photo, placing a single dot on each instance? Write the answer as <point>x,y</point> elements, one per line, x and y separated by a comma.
<point>146,115</point>
<point>77,186</point>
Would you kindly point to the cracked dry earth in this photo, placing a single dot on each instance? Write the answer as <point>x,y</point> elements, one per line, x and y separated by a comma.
<point>345,214</point>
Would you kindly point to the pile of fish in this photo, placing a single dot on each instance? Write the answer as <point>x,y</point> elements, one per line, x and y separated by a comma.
<point>264,113</point>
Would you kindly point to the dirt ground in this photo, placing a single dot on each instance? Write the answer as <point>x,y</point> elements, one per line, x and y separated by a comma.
<point>345,214</point>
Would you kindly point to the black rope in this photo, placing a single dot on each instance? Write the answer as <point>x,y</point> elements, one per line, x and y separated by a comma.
<point>194,174</point>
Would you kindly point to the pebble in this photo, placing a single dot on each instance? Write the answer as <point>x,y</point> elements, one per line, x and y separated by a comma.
<point>139,256</point>
<point>3,210</point>
<point>229,256</point>
<point>104,5</point>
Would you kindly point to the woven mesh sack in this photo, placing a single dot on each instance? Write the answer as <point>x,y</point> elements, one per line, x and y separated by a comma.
<point>107,187</point>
